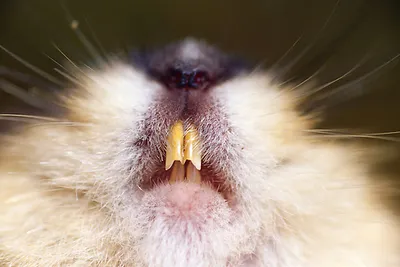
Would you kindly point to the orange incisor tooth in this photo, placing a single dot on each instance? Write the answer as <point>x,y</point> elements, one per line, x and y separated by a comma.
<point>192,174</point>
<point>192,148</point>
<point>183,154</point>
<point>177,173</point>
<point>174,145</point>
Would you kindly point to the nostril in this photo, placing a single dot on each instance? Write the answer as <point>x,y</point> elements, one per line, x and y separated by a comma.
<point>177,78</point>
<point>185,80</point>
<point>199,80</point>
<point>173,77</point>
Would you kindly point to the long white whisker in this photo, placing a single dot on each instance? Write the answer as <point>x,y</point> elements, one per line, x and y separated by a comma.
<point>318,89</point>
<point>348,136</point>
<point>57,63</point>
<point>334,80</point>
<point>69,60</point>
<point>32,67</point>
<point>26,116</point>
<point>74,24</point>
<point>305,50</point>
<point>96,39</point>
<point>25,78</point>
<point>365,76</point>
<point>65,73</point>
<point>286,82</point>
<point>258,67</point>
<point>21,94</point>
<point>32,119</point>
<point>86,43</point>
<point>308,79</point>
<point>332,133</point>
<point>63,124</point>
<point>343,130</point>
<point>285,54</point>
<point>69,77</point>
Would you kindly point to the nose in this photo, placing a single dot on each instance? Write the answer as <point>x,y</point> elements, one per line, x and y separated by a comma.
<point>176,78</point>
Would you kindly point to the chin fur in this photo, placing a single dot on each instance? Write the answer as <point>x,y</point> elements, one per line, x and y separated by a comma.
<point>69,194</point>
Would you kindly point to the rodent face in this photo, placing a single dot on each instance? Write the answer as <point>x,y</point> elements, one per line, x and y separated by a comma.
<point>246,129</point>
<point>209,164</point>
<point>243,123</point>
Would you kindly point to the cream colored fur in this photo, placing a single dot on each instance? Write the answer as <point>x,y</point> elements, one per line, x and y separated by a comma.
<point>66,196</point>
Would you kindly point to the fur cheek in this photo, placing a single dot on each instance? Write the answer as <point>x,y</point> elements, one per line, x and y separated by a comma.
<point>117,95</point>
<point>266,128</point>
<point>263,116</point>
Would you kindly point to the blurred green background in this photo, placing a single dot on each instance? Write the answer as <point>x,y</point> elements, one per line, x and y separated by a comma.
<point>260,30</point>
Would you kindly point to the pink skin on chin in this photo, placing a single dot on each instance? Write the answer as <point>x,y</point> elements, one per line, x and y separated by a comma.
<point>185,222</point>
<point>187,202</point>
<point>189,219</point>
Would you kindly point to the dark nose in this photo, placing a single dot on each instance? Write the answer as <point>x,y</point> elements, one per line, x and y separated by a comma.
<point>186,79</point>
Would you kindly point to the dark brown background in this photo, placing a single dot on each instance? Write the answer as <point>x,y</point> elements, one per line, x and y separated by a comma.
<point>261,30</point>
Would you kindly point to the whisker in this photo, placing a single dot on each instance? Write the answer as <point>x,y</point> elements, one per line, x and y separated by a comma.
<point>365,76</point>
<point>64,124</point>
<point>258,67</point>
<point>48,120</point>
<point>88,67</point>
<point>385,133</point>
<point>324,131</point>
<point>25,78</point>
<point>74,24</point>
<point>309,78</point>
<point>103,51</point>
<point>289,66</point>
<point>344,136</point>
<point>69,77</point>
<point>334,80</point>
<point>276,64</point>
<point>338,130</point>
<point>86,43</point>
<point>286,82</point>
<point>24,96</point>
<point>15,119</point>
<point>65,72</point>
<point>26,116</point>
<point>328,133</point>
<point>318,89</point>
<point>32,67</point>
<point>69,60</point>
<point>57,63</point>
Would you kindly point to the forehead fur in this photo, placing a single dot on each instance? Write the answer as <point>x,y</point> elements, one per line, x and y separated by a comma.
<point>191,49</point>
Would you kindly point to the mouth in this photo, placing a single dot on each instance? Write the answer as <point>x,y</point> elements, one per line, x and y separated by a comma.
<point>184,165</point>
